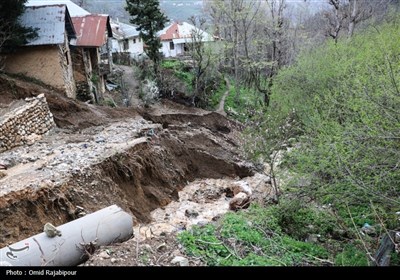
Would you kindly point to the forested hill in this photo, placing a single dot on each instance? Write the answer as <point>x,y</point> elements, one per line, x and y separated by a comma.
<point>174,9</point>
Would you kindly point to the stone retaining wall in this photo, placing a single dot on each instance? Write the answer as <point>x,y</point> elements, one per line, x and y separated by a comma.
<point>25,124</point>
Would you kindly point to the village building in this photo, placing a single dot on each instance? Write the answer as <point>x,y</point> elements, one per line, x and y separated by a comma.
<point>126,40</point>
<point>47,58</point>
<point>91,55</point>
<point>177,36</point>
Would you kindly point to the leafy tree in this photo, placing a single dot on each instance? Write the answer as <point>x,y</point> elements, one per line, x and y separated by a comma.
<point>339,104</point>
<point>12,33</point>
<point>344,98</point>
<point>147,16</point>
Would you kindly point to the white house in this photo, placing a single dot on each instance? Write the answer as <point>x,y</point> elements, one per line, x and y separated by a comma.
<point>126,39</point>
<point>176,37</point>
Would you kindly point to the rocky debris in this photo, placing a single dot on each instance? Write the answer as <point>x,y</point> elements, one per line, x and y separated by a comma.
<point>195,207</point>
<point>162,247</point>
<point>158,251</point>
<point>112,163</point>
<point>191,213</point>
<point>26,124</point>
<point>368,229</point>
<point>313,238</point>
<point>242,194</point>
<point>239,187</point>
<point>239,201</point>
<point>51,231</point>
<point>182,261</point>
<point>103,255</point>
<point>79,212</point>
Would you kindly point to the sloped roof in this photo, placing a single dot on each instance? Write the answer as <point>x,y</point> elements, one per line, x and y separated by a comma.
<point>74,10</point>
<point>92,30</point>
<point>52,22</point>
<point>123,31</point>
<point>180,31</point>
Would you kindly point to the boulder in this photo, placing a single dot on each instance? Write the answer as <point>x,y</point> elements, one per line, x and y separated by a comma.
<point>239,201</point>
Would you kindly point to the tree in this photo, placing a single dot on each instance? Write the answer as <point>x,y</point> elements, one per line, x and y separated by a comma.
<point>201,57</point>
<point>12,33</point>
<point>347,14</point>
<point>147,16</point>
<point>255,34</point>
<point>235,20</point>
<point>276,33</point>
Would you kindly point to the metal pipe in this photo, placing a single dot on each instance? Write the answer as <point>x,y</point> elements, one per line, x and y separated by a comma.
<point>78,238</point>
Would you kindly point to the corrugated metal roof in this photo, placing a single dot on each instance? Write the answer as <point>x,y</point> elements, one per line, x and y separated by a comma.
<point>51,21</point>
<point>74,10</point>
<point>123,31</point>
<point>181,30</point>
<point>92,30</point>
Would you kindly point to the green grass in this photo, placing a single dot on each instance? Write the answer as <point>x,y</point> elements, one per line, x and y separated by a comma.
<point>250,238</point>
<point>171,64</point>
<point>243,107</point>
<point>351,256</point>
<point>180,72</point>
<point>216,97</point>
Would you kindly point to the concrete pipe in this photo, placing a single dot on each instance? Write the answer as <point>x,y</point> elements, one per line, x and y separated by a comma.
<point>78,238</point>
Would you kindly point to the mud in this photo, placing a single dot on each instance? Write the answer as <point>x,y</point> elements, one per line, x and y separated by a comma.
<point>100,156</point>
<point>170,166</point>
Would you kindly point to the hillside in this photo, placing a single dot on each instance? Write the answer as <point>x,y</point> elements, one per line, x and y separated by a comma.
<point>176,10</point>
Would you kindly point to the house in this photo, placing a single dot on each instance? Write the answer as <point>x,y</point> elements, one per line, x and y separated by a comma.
<point>176,37</point>
<point>47,57</point>
<point>73,9</point>
<point>91,55</point>
<point>126,39</point>
<point>91,52</point>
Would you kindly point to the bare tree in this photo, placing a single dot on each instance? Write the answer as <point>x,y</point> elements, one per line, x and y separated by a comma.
<point>336,18</point>
<point>201,58</point>
<point>347,14</point>
<point>270,55</point>
<point>235,20</point>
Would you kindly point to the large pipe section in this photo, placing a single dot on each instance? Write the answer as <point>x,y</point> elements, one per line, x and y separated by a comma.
<point>78,238</point>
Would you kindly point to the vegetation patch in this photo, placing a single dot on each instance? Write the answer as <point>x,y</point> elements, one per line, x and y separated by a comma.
<point>251,238</point>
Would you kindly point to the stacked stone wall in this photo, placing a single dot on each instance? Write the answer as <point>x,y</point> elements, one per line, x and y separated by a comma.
<point>26,124</point>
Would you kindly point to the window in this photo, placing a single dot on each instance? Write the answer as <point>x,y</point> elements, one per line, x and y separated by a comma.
<point>171,46</point>
<point>126,44</point>
<point>134,40</point>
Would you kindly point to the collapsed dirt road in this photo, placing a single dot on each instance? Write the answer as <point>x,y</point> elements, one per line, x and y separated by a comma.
<point>140,161</point>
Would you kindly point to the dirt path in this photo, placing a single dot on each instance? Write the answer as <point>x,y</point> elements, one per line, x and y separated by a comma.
<point>130,85</point>
<point>221,106</point>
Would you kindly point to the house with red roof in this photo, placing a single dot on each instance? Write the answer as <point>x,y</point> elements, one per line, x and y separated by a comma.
<point>176,38</point>
<point>91,55</point>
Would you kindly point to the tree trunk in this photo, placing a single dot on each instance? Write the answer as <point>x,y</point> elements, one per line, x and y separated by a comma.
<point>353,17</point>
<point>236,61</point>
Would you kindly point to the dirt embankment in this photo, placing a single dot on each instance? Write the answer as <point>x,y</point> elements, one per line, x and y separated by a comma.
<point>67,113</point>
<point>100,156</point>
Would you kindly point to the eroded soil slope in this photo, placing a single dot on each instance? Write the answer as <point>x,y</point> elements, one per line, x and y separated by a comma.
<point>99,156</point>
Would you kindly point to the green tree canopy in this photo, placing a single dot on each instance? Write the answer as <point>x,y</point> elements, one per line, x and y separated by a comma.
<point>12,33</point>
<point>146,14</point>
